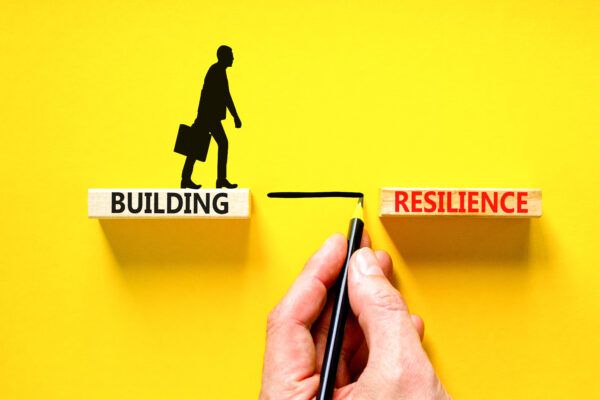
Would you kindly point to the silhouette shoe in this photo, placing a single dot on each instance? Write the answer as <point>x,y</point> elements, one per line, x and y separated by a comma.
<point>224,183</point>
<point>189,184</point>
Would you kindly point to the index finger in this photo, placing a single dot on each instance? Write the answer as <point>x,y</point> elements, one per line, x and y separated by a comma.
<point>306,298</point>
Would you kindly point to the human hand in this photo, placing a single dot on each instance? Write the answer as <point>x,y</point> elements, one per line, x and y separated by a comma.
<point>237,121</point>
<point>382,356</point>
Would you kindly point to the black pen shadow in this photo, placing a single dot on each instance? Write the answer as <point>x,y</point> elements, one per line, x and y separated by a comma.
<point>464,240</point>
<point>171,242</point>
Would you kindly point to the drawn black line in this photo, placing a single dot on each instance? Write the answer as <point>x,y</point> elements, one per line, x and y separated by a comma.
<point>298,195</point>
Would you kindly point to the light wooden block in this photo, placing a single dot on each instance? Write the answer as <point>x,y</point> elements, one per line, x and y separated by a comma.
<point>471,202</point>
<point>168,203</point>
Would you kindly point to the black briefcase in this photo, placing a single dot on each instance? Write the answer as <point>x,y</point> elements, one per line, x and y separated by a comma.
<point>192,142</point>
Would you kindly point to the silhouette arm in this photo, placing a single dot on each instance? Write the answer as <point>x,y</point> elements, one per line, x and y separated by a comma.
<point>230,105</point>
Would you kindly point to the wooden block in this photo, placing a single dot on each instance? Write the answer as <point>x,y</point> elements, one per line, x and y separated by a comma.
<point>472,202</point>
<point>168,203</point>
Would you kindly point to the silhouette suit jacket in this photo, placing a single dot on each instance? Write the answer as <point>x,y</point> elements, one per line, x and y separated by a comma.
<point>215,97</point>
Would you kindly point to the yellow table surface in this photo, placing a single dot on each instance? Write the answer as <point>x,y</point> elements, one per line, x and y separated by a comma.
<point>334,95</point>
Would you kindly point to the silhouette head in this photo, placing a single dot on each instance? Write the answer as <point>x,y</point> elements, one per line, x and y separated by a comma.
<point>225,55</point>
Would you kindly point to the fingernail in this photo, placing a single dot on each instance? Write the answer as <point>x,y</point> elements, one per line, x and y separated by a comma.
<point>328,242</point>
<point>367,263</point>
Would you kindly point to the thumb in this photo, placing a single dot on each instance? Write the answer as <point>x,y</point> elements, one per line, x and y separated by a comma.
<point>381,312</point>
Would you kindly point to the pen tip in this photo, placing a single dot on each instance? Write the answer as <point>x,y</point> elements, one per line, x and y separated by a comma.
<point>358,212</point>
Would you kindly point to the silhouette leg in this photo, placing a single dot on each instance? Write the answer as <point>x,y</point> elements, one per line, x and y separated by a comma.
<point>220,137</point>
<point>186,175</point>
<point>188,168</point>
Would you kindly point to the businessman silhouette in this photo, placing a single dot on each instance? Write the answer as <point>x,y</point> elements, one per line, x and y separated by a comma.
<point>215,99</point>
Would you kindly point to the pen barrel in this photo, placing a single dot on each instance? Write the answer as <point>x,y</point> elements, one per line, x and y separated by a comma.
<point>341,307</point>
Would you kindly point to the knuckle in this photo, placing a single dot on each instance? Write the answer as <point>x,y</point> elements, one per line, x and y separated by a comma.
<point>411,373</point>
<point>398,376</point>
<point>273,318</point>
<point>395,376</point>
<point>388,300</point>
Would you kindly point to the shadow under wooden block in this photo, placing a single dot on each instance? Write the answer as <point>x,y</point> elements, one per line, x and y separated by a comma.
<point>450,239</point>
<point>205,242</point>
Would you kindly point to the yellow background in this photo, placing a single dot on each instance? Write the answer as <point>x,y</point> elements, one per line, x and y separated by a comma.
<point>339,95</point>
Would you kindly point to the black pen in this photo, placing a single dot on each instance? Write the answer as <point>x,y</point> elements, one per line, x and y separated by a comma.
<point>341,306</point>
